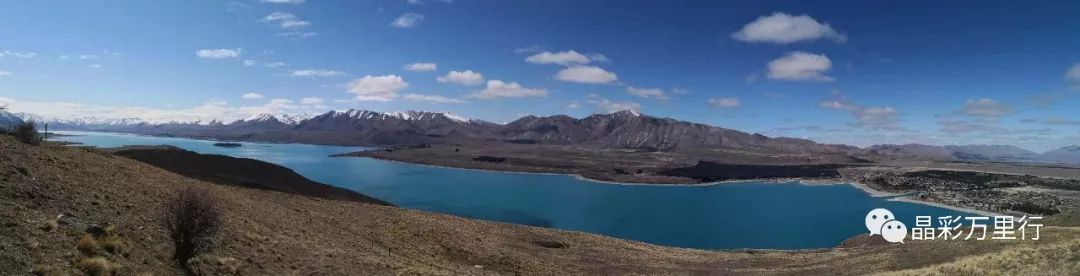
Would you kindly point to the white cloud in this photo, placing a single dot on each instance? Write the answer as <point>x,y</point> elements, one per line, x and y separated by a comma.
<point>647,92</point>
<point>279,16</point>
<point>95,66</point>
<point>866,117</point>
<point>4,73</point>
<point>611,107</point>
<point>431,98</point>
<point>800,66</point>
<point>88,56</point>
<point>420,67</point>
<point>296,35</point>
<point>573,105</point>
<point>782,28</point>
<point>1072,76</point>
<point>283,1</point>
<point>377,88</point>
<point>22,55</point>
<point>500,89</point>
<point>249,62</point>
<point>876,116</point>
<point>218,53</point>
<point>408,20</point>
<point>467,77</point>
<point>566,58</point>
<point>295,24</point>
<point>251,96</point>
<point>311,73</point>
<point>274,64</point>
<point>286,20</point>
<point>724,102</point>
<point>986,108</point>
<point>586,74</point>
<point>311,101</point>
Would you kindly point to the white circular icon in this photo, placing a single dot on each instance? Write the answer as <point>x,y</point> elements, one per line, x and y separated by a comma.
<point>894,231</point>
<point>876,218</point>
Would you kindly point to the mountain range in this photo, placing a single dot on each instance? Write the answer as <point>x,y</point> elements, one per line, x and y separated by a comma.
<point>619,130</point>
<point>8,120</point>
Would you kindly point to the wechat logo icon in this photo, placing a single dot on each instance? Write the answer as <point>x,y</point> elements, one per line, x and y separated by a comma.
<point>882,222</point>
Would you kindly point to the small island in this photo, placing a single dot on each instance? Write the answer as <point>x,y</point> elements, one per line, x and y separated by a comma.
<point>227,145</point>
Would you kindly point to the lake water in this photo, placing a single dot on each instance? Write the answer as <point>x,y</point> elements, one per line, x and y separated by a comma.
<point>725,216</point>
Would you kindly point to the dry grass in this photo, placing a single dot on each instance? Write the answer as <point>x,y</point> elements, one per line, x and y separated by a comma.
<point>96,266</point>
<point>87,245</point>
<point>1053,259</point>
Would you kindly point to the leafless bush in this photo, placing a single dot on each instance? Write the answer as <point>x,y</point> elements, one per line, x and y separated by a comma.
<point>27,133</point>
<point>193,219</point>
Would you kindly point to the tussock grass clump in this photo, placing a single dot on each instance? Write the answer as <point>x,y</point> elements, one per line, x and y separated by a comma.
<point>192,219</point>
<point>87,245</point>
<point>96,266</point>
<point>101,239</point>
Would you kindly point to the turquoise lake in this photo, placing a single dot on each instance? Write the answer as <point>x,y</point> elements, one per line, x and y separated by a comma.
<point>724,216</point>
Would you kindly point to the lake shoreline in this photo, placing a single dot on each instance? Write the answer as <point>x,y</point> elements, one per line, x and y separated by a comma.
<point>896,196</point>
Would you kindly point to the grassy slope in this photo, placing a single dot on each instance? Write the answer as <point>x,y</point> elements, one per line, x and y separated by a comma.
<point>272,233</point>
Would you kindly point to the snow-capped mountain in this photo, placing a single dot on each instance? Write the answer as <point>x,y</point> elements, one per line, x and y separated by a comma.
<point>410,115</point>
<point>79,122</point>
<point>8,120</point>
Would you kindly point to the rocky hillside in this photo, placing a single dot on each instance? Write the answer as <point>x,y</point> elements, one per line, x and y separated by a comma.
<point>53,197</point>
<point>995,152</point>
<point>627,129</point>
<point>1069,154</point>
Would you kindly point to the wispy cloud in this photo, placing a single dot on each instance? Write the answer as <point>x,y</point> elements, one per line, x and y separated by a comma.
<point>609,106</point>
<point>420,67</point>
<point>22,55</point>
<point>286,20</point>
<point>724,102</point>
<point>871,117</point>
<point>218,53</point>
<point>408,20</point>
<point>310,73</point>
<point>251,96</point>
<point>986,108</point>
<point>655,93</point>
<point>297,35</point>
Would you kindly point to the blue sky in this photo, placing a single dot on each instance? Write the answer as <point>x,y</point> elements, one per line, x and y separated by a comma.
<point>855,72</point>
